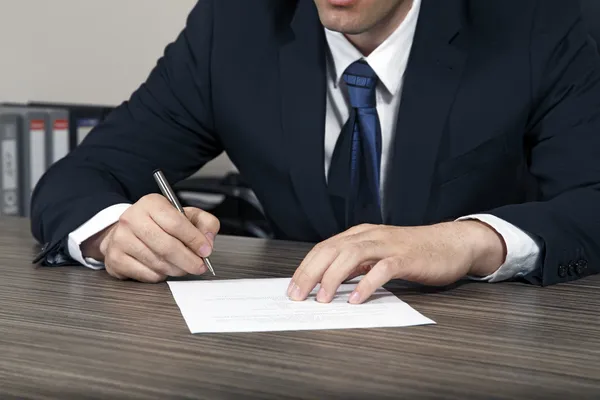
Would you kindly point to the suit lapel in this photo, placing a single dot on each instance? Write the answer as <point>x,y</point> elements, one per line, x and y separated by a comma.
<point>303,88</point>
<point>431,80</point>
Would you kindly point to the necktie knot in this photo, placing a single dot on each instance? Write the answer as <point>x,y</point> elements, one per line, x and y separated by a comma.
<point>361,81</point>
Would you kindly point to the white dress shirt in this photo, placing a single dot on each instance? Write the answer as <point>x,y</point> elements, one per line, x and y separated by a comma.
<point>389,62</point>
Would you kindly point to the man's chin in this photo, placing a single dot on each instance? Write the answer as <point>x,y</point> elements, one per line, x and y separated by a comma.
<point>344,28</point>
<point>346,19</point>
<point>342,22</point>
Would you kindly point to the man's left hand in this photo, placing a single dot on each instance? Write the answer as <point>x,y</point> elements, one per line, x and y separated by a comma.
<point>436,255</point>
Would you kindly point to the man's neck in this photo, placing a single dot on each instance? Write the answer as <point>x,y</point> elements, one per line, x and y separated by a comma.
<point>368,41</point>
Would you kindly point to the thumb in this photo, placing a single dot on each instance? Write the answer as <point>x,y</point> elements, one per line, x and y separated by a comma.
<point>204,221</point>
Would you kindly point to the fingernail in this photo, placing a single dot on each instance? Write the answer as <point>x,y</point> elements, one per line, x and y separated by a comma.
<point>354,298</point>
<point>296,295</point>
<point>322,295</point>
<point>205,250</point>
<point>289,289</point>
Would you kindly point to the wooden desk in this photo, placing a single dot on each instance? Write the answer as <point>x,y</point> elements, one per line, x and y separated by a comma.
<point>73,333</point>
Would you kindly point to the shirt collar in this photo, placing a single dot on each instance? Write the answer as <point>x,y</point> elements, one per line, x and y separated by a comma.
<point>389,60</point>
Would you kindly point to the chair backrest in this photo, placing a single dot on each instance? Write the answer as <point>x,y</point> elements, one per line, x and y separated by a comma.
<point>590,10</point>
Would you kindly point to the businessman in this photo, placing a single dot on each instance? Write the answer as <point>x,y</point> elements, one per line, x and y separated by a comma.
<point>425,140</point>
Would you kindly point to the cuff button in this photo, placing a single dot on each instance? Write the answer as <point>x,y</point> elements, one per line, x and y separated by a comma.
<point>562,271</point>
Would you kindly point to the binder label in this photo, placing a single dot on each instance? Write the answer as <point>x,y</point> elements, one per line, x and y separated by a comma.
<point>10,201</point>
<point>60,140</point>
<point>84,127</point>
<point>37,134</point>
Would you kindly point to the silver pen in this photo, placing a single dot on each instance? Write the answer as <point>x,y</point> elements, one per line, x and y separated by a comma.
<point>168,192</point>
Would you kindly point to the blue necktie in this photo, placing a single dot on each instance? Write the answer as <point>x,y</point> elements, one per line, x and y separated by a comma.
<point>355,170</point>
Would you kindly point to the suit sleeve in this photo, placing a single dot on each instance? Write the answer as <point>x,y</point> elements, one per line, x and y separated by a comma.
<point>166,123</point>
<point>563,141</point>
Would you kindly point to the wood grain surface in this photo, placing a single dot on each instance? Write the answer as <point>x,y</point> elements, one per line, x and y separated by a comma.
<point>76,333</point>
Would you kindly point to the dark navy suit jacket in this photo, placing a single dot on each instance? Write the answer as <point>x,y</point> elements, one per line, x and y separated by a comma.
<point>500,114</point>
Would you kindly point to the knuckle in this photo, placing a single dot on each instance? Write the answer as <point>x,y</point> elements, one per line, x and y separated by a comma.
<point>354,229</point>
<point>148,231</point>
<point>150,198</point>
<point>320,246</point>
<point>216,224</point>
<point>114,273</point>
<point>206,221</point>
<point>196,241</point>
<point>330,249</point>
<point>166,247</point>
<point>108,265</point>
<point>361,228</point>
<point>163,267</point>
<point>118,236</point>
<point>125,218</point>
<point>160,267</point>
<point>387,234</point>
<point>144,201</point>
<point>170,222</point>
<point>113,260</point>
<point>162,251</point>
<point>109,258</point>
<point>387,266</point>
<point>366,245</point>
<point>331,252</point>
<point>150,260</point>
<point>351,250</point>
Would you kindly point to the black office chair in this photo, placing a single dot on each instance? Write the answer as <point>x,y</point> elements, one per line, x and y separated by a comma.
<point>231,200</point>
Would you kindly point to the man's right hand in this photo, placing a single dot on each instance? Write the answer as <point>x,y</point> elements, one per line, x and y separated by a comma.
<point>152,241</point>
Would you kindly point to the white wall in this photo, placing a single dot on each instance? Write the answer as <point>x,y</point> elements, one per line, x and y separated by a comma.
<point>85,51</point>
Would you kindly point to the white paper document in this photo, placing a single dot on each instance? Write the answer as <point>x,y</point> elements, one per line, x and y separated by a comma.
<point>259,305</point>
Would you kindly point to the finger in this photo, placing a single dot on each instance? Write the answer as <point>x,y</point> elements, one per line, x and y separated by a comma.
<point>165,246</point>
<point>355,230</point>
<point>382,272</point>
<point>123,266</point>
<point>350,258</point>
<point>134,247</point>
<point>113,272</point>
<point>307,276</point>
<point>177,225</point>
<point>318,249</point>
<point>205,222</point>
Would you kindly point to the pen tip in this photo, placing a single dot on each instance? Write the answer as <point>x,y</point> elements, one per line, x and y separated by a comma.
<point>209,266</point>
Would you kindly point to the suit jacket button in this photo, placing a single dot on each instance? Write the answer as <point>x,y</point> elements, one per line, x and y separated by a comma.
<point>562,271</point>
<point>581,267</point>
<point>571,269</point>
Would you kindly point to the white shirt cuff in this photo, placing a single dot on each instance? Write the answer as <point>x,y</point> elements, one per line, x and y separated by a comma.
<point>98,222</point>
<point>522,250</point>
